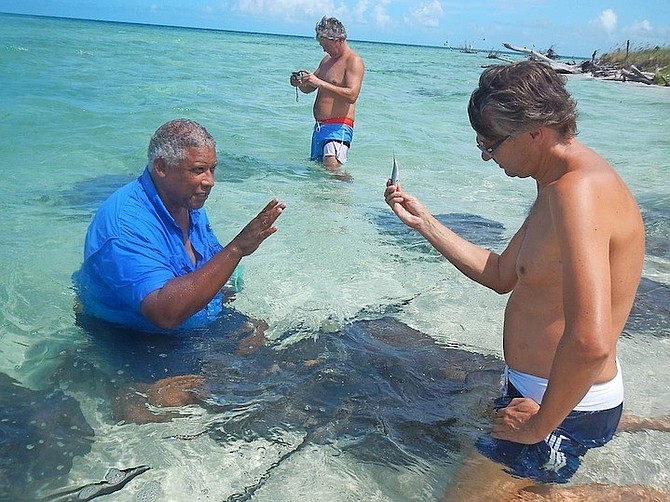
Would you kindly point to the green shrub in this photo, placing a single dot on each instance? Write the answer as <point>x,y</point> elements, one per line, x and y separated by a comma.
<point>648,59</point>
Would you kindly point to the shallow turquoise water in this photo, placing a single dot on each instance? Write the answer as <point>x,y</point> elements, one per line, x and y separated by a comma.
<point>79,103</point>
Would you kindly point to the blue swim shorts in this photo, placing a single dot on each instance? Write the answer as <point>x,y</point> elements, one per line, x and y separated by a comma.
<point>559,455</point>
<point>339,130</point>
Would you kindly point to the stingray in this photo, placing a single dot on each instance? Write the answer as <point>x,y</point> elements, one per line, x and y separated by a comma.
<point>41,431</point>
<point>378,390</point>
<point>375,389</point>
<point>82,199</point>
<point>477,229</point>
<point>651,310</point>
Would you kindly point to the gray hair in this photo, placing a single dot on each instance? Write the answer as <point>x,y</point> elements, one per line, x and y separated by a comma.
<point>519,97</point>
<point>171,140</point>
<point>330,28</point>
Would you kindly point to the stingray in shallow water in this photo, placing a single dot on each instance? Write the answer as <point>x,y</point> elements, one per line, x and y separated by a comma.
<point>651,311</point>
<point>477,229</point>
<point>81,200</point>
<point>376,389</point>
<point>41,431</point>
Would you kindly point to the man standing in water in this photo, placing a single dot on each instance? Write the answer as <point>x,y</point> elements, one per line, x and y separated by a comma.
<point>151,259</point>
<point>572,270</point>
<point>338,81</point>
<point>152,262</point>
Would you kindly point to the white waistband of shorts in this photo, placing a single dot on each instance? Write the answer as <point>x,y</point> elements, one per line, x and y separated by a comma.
<point>601,396</point>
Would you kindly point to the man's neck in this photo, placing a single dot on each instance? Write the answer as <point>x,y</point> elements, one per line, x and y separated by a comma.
<point>183,219</point>
<point>341,51</point>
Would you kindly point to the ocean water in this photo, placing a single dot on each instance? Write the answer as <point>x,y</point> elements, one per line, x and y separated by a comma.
<point>79,102</point>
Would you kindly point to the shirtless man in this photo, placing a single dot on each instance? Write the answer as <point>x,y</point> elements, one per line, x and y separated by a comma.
<point>572,270</point>
<point>338,79</point>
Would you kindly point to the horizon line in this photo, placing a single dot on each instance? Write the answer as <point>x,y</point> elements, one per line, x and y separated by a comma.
<point>200,28</point>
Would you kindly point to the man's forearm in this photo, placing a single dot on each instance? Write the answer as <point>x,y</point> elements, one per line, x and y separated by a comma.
<point>574,371</point>
<point>306,87</point>
<point>473,261</point>
<point>183,296</point>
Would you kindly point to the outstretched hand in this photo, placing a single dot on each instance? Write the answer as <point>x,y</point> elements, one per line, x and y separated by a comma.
<point>407,207</point>
<point>259,228</point>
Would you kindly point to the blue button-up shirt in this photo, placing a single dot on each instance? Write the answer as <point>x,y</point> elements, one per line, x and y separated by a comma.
<point>133,247</point>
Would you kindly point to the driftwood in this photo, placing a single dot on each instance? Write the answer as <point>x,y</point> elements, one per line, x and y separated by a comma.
<point>496,55</point>
<point>636,75</point>
<point>556,65</point>
<point>611,72</point>
<point>597,68</point>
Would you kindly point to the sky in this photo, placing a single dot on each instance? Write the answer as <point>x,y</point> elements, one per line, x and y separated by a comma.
<point>571,28</point>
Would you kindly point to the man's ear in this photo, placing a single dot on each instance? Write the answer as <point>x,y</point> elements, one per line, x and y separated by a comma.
<point>160,167</point>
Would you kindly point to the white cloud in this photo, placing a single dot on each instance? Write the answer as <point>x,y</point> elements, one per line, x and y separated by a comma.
<point>290,9</point>
<point>364,11</point>
<point>607,20</point>
<point>379,14</point>
<point>640,27</point>
<point>428,14</point>
<point>360,10</point>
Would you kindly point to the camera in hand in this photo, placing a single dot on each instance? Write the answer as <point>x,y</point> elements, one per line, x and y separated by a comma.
<point>299,75</point>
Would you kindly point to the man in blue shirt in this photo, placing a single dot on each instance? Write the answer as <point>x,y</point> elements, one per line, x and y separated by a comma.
<point>151,259</point>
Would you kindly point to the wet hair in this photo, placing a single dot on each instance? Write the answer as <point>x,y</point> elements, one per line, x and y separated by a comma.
<point>519,97</point>
<point>171,140</point>
<point>330,28</point>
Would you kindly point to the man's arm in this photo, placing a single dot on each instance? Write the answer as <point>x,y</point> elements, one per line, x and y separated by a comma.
<point>579,216</point>
<point>497,272</point>
<point>351,85</point>
<point>302,84</point>
<point>181,297</point>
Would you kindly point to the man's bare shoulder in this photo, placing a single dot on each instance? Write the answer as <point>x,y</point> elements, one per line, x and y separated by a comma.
<point>353,59</point>
<point>592,191</point>
<point>585,169</point>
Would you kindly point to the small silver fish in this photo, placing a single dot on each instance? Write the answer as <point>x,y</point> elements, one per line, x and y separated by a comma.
<point>394,172</point>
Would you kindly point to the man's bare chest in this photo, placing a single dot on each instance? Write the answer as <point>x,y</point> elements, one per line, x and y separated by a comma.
<point>539,258</point>
<point>334,72</point>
